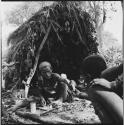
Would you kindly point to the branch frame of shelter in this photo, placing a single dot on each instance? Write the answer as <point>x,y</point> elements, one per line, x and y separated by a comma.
<point>35,29</point>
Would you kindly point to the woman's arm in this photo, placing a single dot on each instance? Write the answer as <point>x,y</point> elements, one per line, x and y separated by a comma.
<point>114,85</point>
<point>59,78</point>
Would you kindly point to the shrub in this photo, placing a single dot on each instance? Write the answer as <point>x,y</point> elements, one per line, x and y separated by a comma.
<point>113,56</point>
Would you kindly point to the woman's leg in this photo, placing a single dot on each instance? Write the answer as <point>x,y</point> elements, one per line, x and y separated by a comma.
<point>61,91</point>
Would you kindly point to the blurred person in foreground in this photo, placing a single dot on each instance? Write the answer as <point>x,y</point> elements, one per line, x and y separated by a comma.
<point>105,86</point>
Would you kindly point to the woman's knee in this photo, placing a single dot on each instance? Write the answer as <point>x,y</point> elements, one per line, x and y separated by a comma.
<point>62,85</point>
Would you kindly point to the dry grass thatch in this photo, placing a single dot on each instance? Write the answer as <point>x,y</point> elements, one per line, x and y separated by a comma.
<point>62,34</point>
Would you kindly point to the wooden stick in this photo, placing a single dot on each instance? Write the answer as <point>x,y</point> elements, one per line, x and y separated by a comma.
<point>36,118</point>
<point>9,64</point>
<point>48,111</point>
<point>19,121</point>
<point>36,61</point>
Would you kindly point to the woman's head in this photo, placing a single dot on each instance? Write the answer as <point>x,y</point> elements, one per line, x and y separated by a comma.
<point>93,65</point>
<point>45,69</point>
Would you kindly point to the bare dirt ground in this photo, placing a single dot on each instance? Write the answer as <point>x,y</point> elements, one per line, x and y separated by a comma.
<point>80,111</point>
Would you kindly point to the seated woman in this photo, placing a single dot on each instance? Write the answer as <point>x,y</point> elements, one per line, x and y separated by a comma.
<point>105,86</point>
<point>92,67</point>
<point>52,84</point>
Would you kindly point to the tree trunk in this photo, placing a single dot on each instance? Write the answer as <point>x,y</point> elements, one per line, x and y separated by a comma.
<point>99,33</point>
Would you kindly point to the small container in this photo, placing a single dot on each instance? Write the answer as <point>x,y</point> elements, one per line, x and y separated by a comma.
<point>3,83</point>
<point>33,107</point>
<point>26,91</point>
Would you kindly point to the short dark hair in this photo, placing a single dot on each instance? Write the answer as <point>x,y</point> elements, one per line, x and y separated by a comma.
<point>94,65</point>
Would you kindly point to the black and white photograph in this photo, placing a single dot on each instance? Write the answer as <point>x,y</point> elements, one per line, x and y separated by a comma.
<point>62,62</point>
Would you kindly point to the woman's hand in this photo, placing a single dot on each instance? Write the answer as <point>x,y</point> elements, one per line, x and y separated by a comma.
<point>56,104</point>
<point>102,82</point>
<point>42,101</point>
